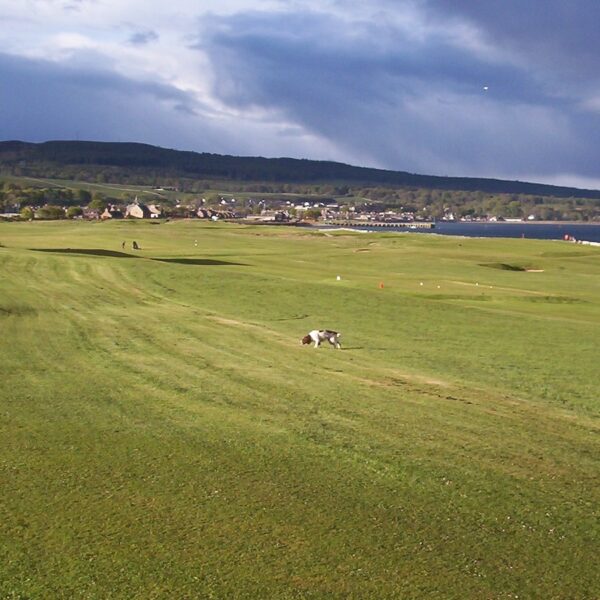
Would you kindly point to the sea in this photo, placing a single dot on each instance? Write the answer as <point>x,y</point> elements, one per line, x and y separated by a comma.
<point>538,231</point>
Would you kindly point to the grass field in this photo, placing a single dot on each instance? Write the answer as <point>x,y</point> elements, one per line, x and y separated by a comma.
<point>124,192</point>
<point>114,190</point>
<point>164,435</point>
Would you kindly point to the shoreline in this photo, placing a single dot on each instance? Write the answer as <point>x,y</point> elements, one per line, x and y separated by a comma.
<point>407,224</point>
<point>579,233</point>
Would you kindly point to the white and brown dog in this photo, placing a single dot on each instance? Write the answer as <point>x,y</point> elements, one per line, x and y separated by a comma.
<point>320,335</point>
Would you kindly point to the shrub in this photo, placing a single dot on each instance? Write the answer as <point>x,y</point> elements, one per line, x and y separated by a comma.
<point>26,213</point>
<point>74,211</point>
<point>50,212</point>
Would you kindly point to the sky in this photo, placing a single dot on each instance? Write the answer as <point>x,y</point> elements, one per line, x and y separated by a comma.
<point>482,88</point>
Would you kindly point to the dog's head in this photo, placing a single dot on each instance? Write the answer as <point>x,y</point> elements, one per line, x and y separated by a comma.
<point>306,340</point>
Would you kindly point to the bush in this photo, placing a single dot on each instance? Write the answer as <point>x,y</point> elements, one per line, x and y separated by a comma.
<point>50,212</point>
<point>26,213</point>
<point>99,202</point>
<point>74,211</point>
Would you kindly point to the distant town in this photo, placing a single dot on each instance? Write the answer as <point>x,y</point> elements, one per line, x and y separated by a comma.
<point>255,210</point>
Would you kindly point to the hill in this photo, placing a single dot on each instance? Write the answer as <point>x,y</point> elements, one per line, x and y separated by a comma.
<point>50,159</point>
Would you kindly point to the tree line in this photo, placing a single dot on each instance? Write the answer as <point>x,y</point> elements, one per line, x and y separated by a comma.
<point>60,202</point>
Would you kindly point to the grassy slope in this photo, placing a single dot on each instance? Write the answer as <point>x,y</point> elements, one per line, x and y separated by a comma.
<point>124,191</point>
<point>112,190</point>
<point>163,433</point>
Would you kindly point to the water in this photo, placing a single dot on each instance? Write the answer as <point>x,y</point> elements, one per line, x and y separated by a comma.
<point>538,231</point>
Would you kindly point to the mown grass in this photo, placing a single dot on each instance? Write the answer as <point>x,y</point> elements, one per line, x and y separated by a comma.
<point>163,433</point>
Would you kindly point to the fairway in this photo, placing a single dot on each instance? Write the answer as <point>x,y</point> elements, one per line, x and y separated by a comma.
<point>163,433</point>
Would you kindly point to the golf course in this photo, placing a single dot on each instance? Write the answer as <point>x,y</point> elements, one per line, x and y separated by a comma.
<point>164,434</point>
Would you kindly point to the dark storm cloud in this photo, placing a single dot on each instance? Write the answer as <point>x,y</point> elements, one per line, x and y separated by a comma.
<point>407,102</point>
<point>561,34</point>
<point>46,100</point>
<point>500,88</point>
<point>322,49</point>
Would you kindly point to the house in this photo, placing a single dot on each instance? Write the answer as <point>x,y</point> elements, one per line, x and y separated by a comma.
<point>155,211</point>
<point>204,213</point>
<point>90,213</point>
<point>209,213</point>
<point>137,211</point>
<point>111,212</point>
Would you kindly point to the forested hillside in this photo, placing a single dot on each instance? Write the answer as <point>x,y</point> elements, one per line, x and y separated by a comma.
<point>123,162</point>
<point>70,174</point>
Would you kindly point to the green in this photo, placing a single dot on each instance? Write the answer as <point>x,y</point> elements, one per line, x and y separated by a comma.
<point>163,434</point>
